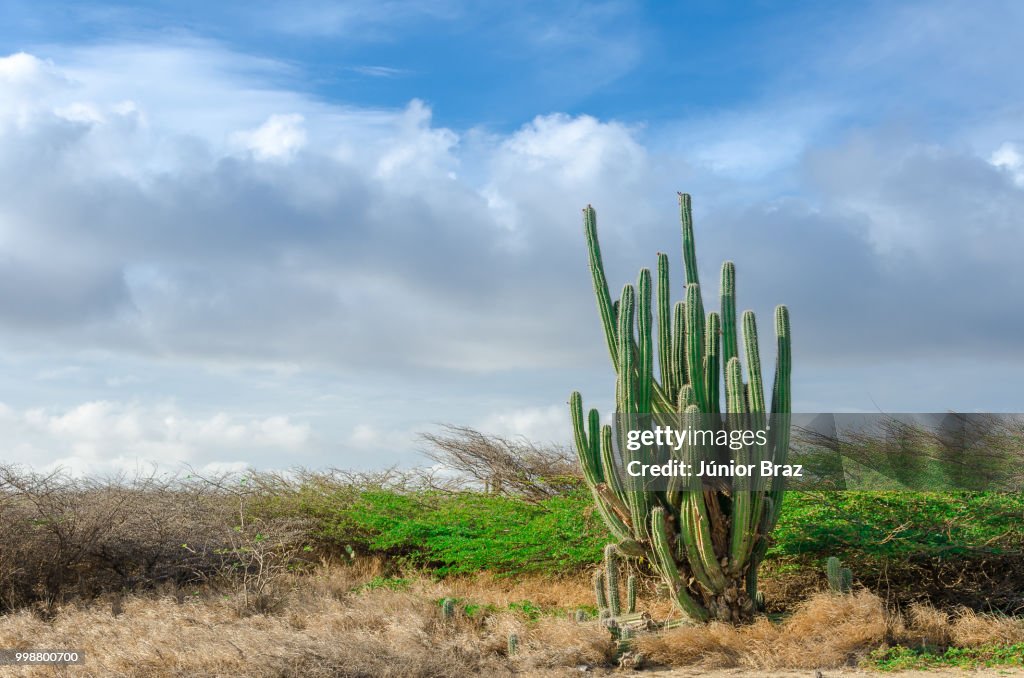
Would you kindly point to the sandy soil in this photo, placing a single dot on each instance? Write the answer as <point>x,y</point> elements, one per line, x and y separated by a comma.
<point>830,673</point>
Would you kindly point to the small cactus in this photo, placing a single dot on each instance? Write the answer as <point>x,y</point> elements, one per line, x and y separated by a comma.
<point>840,579</point>
<point>581,616</point>
<point>599,596</point>
<point>513,644</point>
<point>448,608</point>
<point>606,586</point>
<point>611,575</point>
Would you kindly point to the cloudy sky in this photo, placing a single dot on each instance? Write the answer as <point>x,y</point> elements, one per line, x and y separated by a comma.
<point>279,234</point>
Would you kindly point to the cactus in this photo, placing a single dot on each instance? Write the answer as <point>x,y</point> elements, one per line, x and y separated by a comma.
<point>580,616</point>
<point>631,594</point>
<point>513,644</point>
<point>611,575</point>
<point>840,579</point>
<point>672,359</point>
<point>606,585</point>
<point>448,608</point>
<point>599,594</point>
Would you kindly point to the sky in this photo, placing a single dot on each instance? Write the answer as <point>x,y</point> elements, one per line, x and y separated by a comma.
<point>283,234</point>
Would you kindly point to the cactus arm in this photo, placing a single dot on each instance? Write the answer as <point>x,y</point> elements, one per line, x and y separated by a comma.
<point>755,390</point>
<point>626,386</point>
<point>711,361</point>
<point>741,496</point>
<point>730,348</point>
<point>668,384</point>
<point>645,351</point>
<point>614,513</point>
<point>781,396</point>
<point>693,519</point>
<point>695,344</point>
<point>604,297</point>
<point>679,377</point>
<point>588,447</point>
<point>781,409</point>
<point>735,392</point>
<point>585,446</point>
<point>667,565</point>
<point>594,438</point>
<point>631,594</point>
<point>611,473</point>
<point>779,435</point>
<point>689,243</point>
<point>637,499</point>
<point>756,407</point>
<point>756,554</point>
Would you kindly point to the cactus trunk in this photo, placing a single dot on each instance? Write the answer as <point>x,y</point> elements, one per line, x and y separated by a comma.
<point>706,541</point>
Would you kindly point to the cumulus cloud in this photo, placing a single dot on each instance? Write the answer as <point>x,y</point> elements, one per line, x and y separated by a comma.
<point>280,137</point>
<point>215,216</point>
<point>367,236</point>
<point>109,436</point>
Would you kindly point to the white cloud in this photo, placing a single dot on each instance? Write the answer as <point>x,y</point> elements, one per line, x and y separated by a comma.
<point>280,137</point>
<point>549,424</point>
<point>108,436</point>
<point>1010,158</point>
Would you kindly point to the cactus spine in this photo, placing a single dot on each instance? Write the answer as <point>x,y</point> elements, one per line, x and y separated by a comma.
<point>707,542</point>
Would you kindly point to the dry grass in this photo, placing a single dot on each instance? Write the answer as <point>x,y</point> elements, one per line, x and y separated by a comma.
<point>826,631</point>
<point>331,624</point>
<point>326,627</point>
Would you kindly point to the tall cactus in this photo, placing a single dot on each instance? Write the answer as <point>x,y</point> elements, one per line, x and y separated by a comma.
<point>671,359</point>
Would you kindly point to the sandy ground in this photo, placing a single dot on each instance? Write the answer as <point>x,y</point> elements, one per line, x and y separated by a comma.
<point>831,673</point>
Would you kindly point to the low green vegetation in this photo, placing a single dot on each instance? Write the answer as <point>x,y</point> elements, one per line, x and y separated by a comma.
<point>459,533</point>
<point>894,525</point>
<point>874,533</point>
<point>986,656</point>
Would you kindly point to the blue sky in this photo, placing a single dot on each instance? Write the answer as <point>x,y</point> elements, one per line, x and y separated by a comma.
<point>301,233</point>
<point>480,63</point>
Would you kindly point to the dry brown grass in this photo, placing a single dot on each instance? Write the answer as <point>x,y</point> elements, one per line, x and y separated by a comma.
<point>327,626</point>
<point>330,624</point>
<point>826,631</point>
